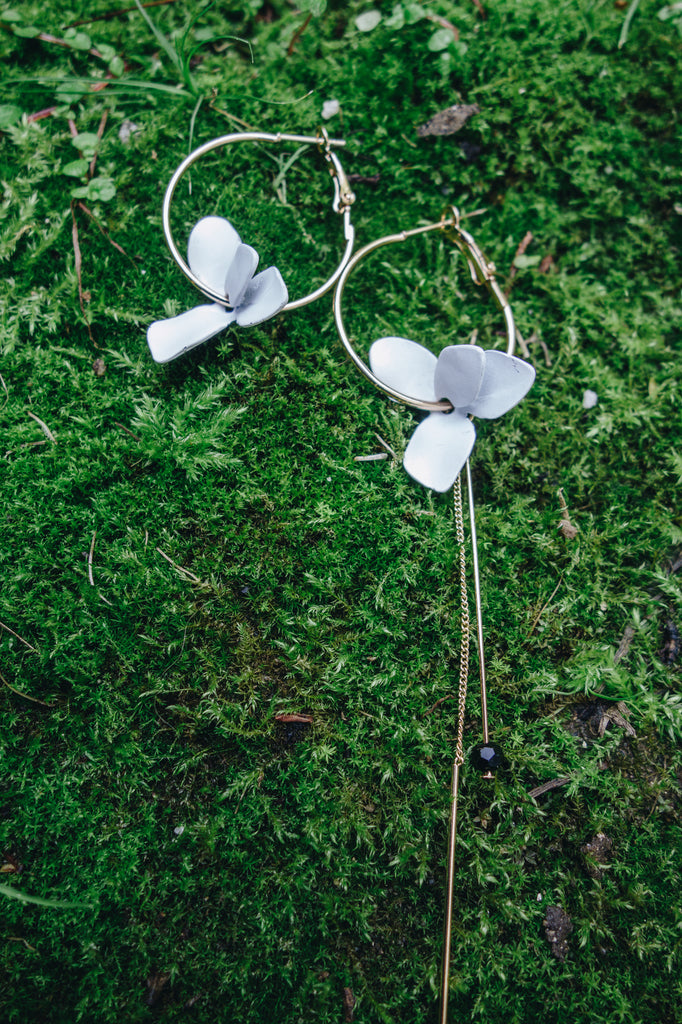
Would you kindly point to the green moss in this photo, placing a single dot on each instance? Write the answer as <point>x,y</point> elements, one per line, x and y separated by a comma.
<point>244,565</point>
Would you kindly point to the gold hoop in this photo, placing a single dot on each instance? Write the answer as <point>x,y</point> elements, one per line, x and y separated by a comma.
<point>341,203</point>
<point>482,272</point>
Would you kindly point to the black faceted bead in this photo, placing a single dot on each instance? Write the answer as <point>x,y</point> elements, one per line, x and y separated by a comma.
<point>487,757</point>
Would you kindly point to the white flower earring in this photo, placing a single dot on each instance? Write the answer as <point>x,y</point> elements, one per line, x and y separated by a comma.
<point>223,268</point>
<point>462,382</point>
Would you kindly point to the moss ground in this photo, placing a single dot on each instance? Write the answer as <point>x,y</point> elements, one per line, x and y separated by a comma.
<point>190,552</point>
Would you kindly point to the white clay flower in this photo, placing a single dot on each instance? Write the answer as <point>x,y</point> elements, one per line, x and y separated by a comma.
<point>477,382</point>
<point>217,256</point>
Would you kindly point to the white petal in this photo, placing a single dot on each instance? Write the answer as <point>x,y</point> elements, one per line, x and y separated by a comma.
<point>405,366</point>
<point>264,297</point>
<point>211,248</point>
<point>459,374</point>
<point>438,449</point>
<point>170,338</point>
<point>505,382</point>
<point>240,272</point>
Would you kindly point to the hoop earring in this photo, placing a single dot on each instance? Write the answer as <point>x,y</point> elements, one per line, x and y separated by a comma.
<point>223,268</point>
<point>464,381</point>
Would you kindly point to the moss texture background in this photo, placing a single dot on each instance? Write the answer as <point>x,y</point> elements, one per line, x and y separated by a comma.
<point>190,552</point>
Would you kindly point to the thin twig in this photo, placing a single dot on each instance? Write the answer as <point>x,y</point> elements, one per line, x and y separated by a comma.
<point>546,786</point>
<point>120,425</point>
<point>569,529</point>
<point>297,35</point>
<point>90,554</point>
<point>440,700</point>
<point>45,37</point>
<point>377,457</point>
<point>562,502</point>
<point>480,8</point>
<point>44,427</point>
<point>227,114</point>
<point>437,19</point>
<point>78,265</point>
<point>40,115</point>
<point>100,133</point>
<point>624,645</point>
<point>522,344</point>
<point>18,938</point>
<point>104,231</point>
<point>304,719</point>
<point>109,15</point>
<point>549,599</point>
<point>4,388</point>
<point>521,248</point>
<point>24,642</point>
<point>545,352</point>
<point>20,693</point>
<point>385,444</point>
<point>180,568</point>
<point>26,444</point>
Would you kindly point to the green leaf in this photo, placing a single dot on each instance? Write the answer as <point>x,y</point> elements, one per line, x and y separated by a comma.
<point>27,31</point>
<point>9,114</point>
<point>76,169</point>
<point>105,51</point>
<point>117,66</point>
<point>69,92</point>
<point>98,190</point>
<point>368,21</point>
<point>10,15</point>
<point>440,40</point>
<point>79,40</point>
<point>102,189</point>
<point>413,13</point>
<point>522,262</point>
<point>314,7</point>
<point>397,18</point>
<point>16,894</point>
<point>86,142</point>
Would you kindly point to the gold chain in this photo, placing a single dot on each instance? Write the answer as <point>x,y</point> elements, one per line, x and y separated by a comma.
<point>465,624</point>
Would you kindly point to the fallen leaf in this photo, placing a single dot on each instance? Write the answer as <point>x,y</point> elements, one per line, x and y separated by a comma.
<point>449,121</point>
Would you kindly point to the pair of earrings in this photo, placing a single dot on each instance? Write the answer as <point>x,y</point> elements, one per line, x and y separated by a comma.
<point>462,382</point>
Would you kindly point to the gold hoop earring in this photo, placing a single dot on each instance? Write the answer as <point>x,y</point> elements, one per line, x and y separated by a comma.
<point>462,382</point>
<point>223,268</point>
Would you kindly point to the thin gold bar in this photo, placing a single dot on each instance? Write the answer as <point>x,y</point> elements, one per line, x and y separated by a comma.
<point>447,929</point>
<point>479,613</point>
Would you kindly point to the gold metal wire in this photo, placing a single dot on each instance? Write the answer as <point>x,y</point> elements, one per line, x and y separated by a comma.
<point>341,203</point>
<point>459,746</point>
<point>482,273</point>
<point>465,623</point>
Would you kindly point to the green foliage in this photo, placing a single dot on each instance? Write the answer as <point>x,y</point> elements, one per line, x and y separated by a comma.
<point>191,554</point>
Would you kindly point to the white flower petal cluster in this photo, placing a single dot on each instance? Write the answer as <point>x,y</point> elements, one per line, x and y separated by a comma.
<point>218,257</point>
<point>475,381</point>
